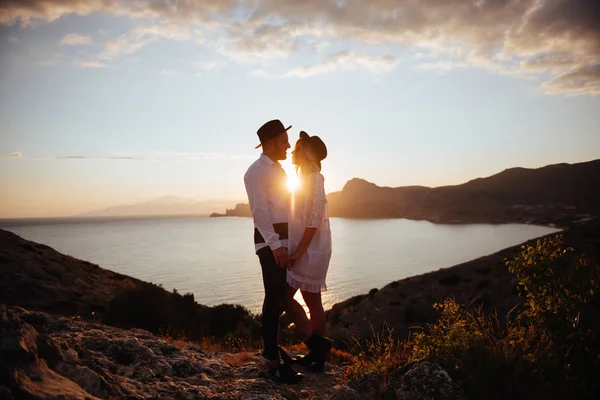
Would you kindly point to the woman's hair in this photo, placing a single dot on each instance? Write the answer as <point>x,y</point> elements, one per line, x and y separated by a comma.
<point>306,164</point>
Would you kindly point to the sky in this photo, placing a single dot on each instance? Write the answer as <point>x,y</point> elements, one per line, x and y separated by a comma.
<point>105,103</point>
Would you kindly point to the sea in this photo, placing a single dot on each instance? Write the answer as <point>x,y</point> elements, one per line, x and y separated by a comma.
<point>214,258</point>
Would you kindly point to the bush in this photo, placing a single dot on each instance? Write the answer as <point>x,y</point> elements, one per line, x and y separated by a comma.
<point>226,327</point>
<point>547,348</point>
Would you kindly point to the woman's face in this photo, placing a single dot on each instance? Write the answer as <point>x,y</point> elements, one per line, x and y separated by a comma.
<point>297,153</point>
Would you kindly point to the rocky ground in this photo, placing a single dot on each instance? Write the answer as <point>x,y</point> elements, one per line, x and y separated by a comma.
<point>48,357</point>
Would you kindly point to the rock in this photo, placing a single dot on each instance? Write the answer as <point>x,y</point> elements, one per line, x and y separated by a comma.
<point>85,377</point>
<point>49,350</point>
<point>87,360</point>
<point>428,381</point>
<point>369,385</point>
<point>5,393</point>
<point>20,367</point>
<point>342,392</point>
<point>17,339</point>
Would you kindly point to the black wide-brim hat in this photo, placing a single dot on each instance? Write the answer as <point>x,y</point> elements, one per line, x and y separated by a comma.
<point>316,145</point>
<point>270,130</point>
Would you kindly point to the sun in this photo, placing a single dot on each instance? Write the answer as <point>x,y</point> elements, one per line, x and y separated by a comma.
<point>292,178</point>
<point>292,182</point>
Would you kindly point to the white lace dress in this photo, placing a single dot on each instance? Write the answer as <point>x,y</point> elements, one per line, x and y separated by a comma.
<point>309,209</point>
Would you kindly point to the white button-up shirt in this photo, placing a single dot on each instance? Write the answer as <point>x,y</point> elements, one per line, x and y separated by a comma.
<point>269,197</point>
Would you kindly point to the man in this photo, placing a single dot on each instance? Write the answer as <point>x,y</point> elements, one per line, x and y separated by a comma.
<point>266,185</point>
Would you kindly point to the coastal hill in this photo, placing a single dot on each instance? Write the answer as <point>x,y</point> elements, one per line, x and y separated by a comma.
<point>240,210</point>
<point>484,282</point>
<point>555,194</point>
<point>559,194</point>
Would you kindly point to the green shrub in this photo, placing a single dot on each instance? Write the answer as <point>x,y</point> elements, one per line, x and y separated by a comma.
<point>547,348</point>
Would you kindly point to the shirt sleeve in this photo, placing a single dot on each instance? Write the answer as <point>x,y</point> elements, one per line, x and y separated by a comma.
<point>257,196</point>
<point>316,200</point>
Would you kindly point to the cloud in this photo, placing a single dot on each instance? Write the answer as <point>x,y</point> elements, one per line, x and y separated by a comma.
<point>346,60</point>
<point>91,64</point>
<point>259,44</point>
<point>160,156</point>
<point>141,36</point>
<point>585,80</point>
<point>73,39</point>
<point>195,156</point>
<point>16,154</point>
<point>121,158</point>
<point>441,66</point>
<point>210,64</point>
<point>168,72</point>
<point>555,40</point>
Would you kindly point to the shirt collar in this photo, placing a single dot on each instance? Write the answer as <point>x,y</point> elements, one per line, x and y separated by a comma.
<point>267,159</point>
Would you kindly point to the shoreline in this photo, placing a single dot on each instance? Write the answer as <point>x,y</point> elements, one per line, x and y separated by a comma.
<point>32,221</point>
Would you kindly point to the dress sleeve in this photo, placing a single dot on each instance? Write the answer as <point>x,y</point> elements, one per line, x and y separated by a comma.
<point>316,200</point>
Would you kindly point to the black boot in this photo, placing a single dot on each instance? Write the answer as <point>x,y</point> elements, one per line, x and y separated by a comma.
<point>283,373</point>
<point>319,347</point>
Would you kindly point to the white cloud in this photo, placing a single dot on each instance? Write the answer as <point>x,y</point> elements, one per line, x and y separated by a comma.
<point>91,64</point>
<point>264,42</point>
<point>441,66</point>
<point>73,39</point>
<point>140,36</point>
<point>558,40</point>
<point>344,61</point>
<point>210,64</point>
<point>168,72</point>
<point>160,156</point>
<point>16,154</point>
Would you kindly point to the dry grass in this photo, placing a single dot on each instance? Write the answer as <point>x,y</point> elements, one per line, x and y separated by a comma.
<point>238,359</point>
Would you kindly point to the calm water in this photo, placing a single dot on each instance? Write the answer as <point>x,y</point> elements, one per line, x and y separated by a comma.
<point>214,257</point>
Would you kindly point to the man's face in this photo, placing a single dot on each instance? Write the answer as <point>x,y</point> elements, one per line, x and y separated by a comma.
<point>280,146</point>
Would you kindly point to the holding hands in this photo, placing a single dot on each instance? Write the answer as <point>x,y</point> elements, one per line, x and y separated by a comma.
<point>282,257</point>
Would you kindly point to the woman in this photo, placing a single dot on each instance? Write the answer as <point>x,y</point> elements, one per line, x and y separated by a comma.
<point>310,247</point>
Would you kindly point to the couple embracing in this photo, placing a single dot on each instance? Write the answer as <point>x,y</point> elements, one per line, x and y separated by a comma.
<point>292,239</point>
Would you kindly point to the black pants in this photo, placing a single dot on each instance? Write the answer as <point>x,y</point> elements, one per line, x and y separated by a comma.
<point>274,303</point>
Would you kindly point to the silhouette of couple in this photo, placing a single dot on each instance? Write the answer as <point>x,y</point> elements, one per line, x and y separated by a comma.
<point>292,239</point>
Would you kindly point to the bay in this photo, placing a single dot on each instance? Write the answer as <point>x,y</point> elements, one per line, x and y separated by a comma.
<point>214,259</point>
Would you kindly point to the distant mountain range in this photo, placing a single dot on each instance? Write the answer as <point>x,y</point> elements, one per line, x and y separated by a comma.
<point>556,194</point>
<point>168,205</point>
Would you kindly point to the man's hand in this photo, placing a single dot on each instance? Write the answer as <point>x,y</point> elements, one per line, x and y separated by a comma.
<point>282,257</point>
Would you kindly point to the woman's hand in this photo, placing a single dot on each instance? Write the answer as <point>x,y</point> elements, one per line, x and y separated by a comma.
<point>294,257</point>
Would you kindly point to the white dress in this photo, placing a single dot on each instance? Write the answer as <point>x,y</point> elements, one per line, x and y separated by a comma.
<point>309,209</point>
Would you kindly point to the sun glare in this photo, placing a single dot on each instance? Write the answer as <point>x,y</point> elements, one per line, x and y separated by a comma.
<point>292,178</point>
<point>292,182</point>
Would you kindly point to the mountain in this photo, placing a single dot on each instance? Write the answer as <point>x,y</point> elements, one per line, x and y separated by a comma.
<point>558,194</point>
<point>240,210</point>
<point>168,205</point>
